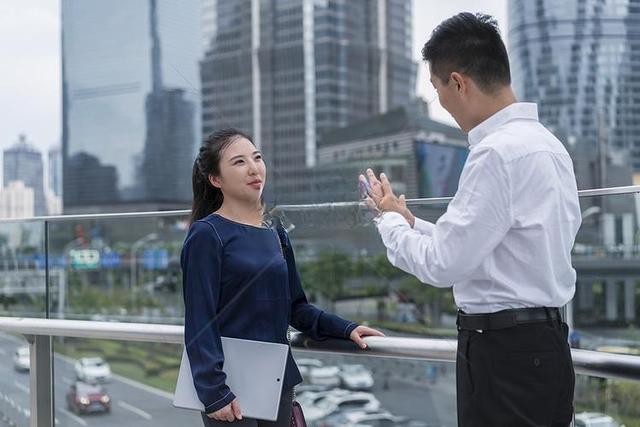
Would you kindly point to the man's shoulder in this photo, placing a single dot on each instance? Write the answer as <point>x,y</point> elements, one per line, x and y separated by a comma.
<point>515,140</point>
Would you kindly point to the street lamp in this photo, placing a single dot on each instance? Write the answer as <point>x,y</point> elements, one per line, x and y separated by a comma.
<point>132,260</point>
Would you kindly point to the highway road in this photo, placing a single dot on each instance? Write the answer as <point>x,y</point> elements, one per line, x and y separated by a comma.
<point>400,385</point>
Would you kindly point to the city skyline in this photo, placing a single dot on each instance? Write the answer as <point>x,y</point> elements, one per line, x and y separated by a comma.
<point>288,72</point>
<point>130,104</point>
<point>31,89</point>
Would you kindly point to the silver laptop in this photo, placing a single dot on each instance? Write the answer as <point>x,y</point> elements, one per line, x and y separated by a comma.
<point>255,373</point>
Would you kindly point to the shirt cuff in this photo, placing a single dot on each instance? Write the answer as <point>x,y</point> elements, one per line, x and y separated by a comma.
<point>423,227</point>
<point>215,406</point>
<point>390,219</point>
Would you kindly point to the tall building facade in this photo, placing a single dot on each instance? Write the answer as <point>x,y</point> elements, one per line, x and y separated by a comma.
<point>422,157</point>
<point>288,71</point>
<point>23,162</point>
<point>17,200</point>
<point>580,61</point>
<point>55,170</point>
<point>130,104</point>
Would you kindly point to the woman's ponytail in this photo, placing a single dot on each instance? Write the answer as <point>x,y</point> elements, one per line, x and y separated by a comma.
<point>207,198</point>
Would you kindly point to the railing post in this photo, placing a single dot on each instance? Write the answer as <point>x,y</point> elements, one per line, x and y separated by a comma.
<point>41,381</point>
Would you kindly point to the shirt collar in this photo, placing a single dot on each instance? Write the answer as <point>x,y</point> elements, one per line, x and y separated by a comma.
<point>517,110</point>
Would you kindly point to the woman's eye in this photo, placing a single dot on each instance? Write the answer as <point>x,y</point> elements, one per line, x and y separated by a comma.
<point>237,162</point>
<point>258,157</point>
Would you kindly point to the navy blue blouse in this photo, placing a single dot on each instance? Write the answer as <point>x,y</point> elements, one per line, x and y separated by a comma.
<point>239,282</point>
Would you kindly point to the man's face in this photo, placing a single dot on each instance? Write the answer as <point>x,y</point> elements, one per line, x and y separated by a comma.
<point>448,95</point>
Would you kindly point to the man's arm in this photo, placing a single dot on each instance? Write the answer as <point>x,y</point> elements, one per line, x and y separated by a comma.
<point>475,222</point>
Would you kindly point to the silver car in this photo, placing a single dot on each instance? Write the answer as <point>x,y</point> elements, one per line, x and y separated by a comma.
<point>21,359</point>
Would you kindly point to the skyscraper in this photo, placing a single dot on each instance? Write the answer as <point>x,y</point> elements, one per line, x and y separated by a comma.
<point>16,200</point>
<point>579,60</point>
<point>55,170</point>
<point>22,162</point>
<point>287,71</point>
<point>130,104</point>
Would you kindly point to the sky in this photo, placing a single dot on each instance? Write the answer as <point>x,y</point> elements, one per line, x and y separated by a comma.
<point>30,89</point>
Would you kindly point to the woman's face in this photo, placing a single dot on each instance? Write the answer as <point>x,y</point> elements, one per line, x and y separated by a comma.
<point>242,171</point>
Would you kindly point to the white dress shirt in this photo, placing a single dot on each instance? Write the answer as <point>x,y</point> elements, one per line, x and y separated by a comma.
<point>505,240</point>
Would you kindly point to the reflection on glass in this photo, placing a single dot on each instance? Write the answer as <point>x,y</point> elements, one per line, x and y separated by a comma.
<point>137,391</point>
<point>607,403</point>
<point>22,263</point>
<point>604,310</point>
<point>120,269</point>
<point>400,392</point>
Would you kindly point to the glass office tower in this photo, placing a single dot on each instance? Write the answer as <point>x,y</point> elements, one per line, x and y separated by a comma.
<point>130,103</point>
<point>287,71</point>
<point>23,162</point>
<point>580,61</point>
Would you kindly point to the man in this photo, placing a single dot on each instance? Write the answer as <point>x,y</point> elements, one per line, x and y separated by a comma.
<point>505,241</point>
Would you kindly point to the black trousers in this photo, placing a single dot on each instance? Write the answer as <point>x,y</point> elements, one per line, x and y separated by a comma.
<point>519,376</point>
<point>284,416</point>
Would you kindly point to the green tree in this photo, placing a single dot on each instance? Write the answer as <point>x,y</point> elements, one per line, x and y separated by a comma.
<point>429,300</point>
<point>326,275</point>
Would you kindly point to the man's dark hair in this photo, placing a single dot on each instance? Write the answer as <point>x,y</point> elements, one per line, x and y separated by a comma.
<point>469,44</point>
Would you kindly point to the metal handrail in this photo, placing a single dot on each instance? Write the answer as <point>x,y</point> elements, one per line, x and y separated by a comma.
<point>609,191</point>
<point>587,362</point>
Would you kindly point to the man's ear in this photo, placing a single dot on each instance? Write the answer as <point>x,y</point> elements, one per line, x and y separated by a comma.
<point>214,180</point>
<point>458,80</point>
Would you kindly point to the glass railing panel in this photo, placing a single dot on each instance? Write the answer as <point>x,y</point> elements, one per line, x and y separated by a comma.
<point>14,381</point>
<point>391,391</point>
<point>606,402</point>
<point>344,269</point>
<point>117,383</point>
<point>22,269</point>
<point>120,269</point>
<point>605,311</point>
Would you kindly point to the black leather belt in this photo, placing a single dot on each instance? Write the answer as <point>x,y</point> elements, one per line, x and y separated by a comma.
<point>507,318</point>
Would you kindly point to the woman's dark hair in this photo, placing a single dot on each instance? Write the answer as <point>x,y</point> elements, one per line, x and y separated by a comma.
<point>469,44</point>
<point>207,198</point>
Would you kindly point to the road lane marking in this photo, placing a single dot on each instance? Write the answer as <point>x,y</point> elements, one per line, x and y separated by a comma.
<point>144,387</point>
<point>21,386</point>
<point>11,338</point>
<point>127,381</point>
<point>73,417</point>
<point>135,410</point>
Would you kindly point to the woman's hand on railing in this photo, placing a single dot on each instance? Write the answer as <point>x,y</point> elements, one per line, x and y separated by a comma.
<point>230,413</point>
<point>360,332</point>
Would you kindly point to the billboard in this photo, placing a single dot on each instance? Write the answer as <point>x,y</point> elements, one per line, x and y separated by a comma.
<point>439,168</point>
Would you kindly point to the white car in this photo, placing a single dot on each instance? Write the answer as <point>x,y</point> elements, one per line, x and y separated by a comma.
<point>93,369</point>
<point>327,376</point>
<point>311,399</point>
<point>341,403</point>
<point>305,366</point>
<point>356,377</point>
<point>370,419</point>
<point>21,359</point>
<point>595,419</point>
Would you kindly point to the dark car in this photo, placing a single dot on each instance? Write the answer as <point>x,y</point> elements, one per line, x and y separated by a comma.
<point>83,398</point>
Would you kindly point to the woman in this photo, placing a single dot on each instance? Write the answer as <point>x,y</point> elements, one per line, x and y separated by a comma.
<point>240,278</point>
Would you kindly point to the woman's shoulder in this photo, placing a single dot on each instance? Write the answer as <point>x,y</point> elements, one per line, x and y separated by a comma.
<point>204,229</point>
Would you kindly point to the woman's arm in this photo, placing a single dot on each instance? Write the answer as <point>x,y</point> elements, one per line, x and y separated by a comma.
<point>200,262</point>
